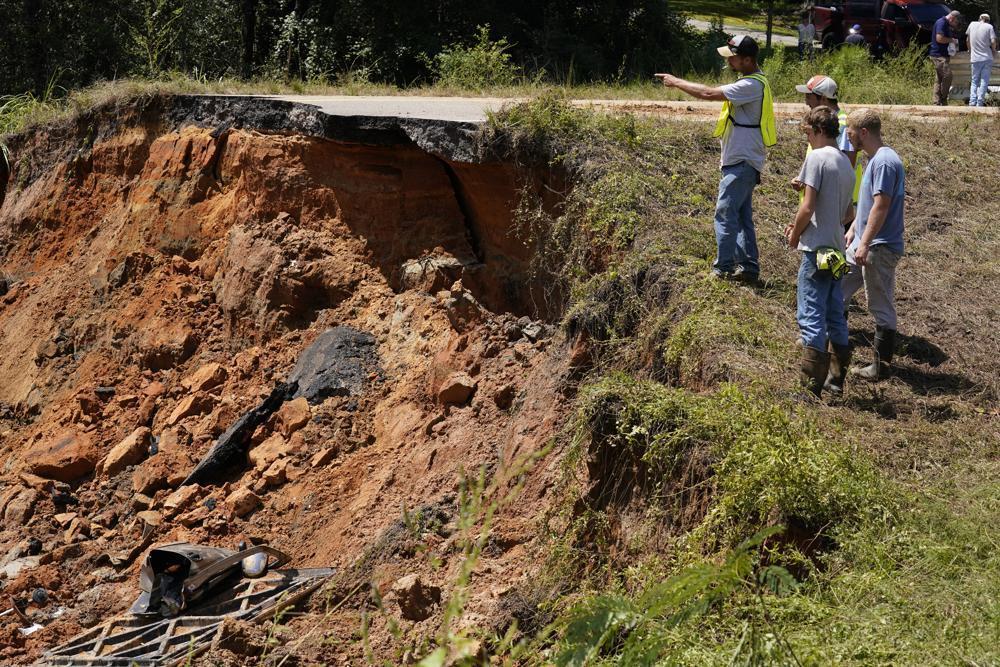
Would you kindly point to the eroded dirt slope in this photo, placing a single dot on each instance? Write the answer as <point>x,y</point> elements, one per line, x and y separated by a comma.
<point>160,277</point>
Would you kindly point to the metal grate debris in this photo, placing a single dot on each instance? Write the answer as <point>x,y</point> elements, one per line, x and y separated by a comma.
<point>150,640</point>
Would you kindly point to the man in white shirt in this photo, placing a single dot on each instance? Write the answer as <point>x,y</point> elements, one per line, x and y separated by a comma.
<point>982,51</point>
<point>807,34</point>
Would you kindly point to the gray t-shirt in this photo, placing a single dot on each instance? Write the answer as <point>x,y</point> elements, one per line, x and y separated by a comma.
<point>744,144</point>
<point>981,35</point>
<point>830,173</point>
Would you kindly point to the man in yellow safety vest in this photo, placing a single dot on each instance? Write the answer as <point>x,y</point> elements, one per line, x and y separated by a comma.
<point>745,127</point>
<point>821,91</point>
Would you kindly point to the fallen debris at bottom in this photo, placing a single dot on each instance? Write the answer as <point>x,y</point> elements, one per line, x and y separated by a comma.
<point>149,639</point>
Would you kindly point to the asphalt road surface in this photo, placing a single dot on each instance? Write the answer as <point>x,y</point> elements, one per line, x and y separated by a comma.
<point>761,37</point>
<point>474,109</point>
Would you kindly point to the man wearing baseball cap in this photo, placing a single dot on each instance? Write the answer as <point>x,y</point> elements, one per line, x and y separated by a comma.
<point>854,36</point>
<point>745,127</point>
<point>821,91</point>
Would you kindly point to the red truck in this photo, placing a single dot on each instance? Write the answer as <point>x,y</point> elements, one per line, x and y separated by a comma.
<point>885,24</point>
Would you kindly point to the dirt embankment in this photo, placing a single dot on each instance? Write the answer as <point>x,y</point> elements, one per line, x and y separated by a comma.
<point>164,264</point>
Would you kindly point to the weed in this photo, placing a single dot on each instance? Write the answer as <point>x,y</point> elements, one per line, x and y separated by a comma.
<point>640,631</point>
<point>765,465</point>
<point>484,64</point>
<point>904,78</point>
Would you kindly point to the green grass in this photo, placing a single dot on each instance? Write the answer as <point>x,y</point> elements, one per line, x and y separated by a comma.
<point>891,513</point>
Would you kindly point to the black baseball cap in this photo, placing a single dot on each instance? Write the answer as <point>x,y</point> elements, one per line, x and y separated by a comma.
<point>740,45</point>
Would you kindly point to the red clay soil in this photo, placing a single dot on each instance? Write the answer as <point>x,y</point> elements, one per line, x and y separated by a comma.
<point>166,279</point>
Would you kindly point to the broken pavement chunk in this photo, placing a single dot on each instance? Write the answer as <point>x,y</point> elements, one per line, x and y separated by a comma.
<point>338,363</point>
<point>229,452</point>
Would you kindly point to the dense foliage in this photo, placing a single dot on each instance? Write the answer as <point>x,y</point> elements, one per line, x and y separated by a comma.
<point>394,41</point>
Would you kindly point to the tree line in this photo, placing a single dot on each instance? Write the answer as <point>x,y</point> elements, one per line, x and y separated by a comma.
<point>76,42</point>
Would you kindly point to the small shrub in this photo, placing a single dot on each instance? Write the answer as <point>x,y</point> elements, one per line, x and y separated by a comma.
<point>484,64</point>
<point>765,465</point>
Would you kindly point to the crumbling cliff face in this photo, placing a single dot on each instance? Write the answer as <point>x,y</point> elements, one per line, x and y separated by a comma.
<point>164,263</point>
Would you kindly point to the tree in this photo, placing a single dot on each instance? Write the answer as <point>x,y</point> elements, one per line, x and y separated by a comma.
<point>249,15</point>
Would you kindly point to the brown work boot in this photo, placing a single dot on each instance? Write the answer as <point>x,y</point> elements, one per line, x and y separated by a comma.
<point>885,344</point>
<point>813,369</point>
<point>840,362</point>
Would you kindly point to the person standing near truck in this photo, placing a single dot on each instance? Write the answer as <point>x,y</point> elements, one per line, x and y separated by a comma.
<point>942,36</point>
<point>855,38</point>
<point>745,127</point>
<point>807,35</point>
<point>982,51</point>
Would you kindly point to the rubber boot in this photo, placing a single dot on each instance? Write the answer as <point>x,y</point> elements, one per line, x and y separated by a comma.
<point>840,363</point>
<point>885,344</point>
<point>813,370</point>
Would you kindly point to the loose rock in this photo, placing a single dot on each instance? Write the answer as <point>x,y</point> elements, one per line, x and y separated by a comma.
<point>292,416</point>
<point>207,377</point>
<point>416,600</point>
<point>129,451</point>
<point>243,501</point>
<point>66,457</point>
<point>20,510</point>
<point>195,404</point>
<point>456,389</point>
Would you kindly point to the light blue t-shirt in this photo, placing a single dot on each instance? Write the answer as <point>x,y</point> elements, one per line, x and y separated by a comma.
<point>883,175</point>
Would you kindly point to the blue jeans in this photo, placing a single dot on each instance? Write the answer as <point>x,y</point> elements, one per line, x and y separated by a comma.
<point>978,85</point>
<point>820,306</point>
<point>735,237</point>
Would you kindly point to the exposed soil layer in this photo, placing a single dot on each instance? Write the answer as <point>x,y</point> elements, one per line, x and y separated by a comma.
<point>165,263</point>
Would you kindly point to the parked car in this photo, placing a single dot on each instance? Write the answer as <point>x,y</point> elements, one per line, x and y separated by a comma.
<point>885,24</point>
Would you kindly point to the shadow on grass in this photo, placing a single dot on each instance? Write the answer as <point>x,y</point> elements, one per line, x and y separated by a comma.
<point>915,348</point>
<point>933,383</point>
<point>920,350</point>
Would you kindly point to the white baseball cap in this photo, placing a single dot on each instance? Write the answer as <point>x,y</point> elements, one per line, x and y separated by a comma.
<point>821,85</point>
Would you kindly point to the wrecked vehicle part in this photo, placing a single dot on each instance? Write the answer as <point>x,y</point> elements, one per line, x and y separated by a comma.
<point>150,640</point>
<point>229,452</point>
<point>175,576</point>
<point>338,363</point>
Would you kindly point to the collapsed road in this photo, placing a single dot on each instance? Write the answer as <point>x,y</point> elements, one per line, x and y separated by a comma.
<point>230,320</point>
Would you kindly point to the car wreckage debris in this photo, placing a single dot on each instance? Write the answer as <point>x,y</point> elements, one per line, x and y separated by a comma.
<point>337,363</point>
<point>188,592</point>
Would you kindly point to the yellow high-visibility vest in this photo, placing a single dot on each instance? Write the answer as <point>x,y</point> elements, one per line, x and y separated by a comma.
<point>858,167</point>
<point>768,127</point>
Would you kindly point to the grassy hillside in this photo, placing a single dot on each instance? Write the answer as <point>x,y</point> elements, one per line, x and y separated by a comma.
<point>880,510</point>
